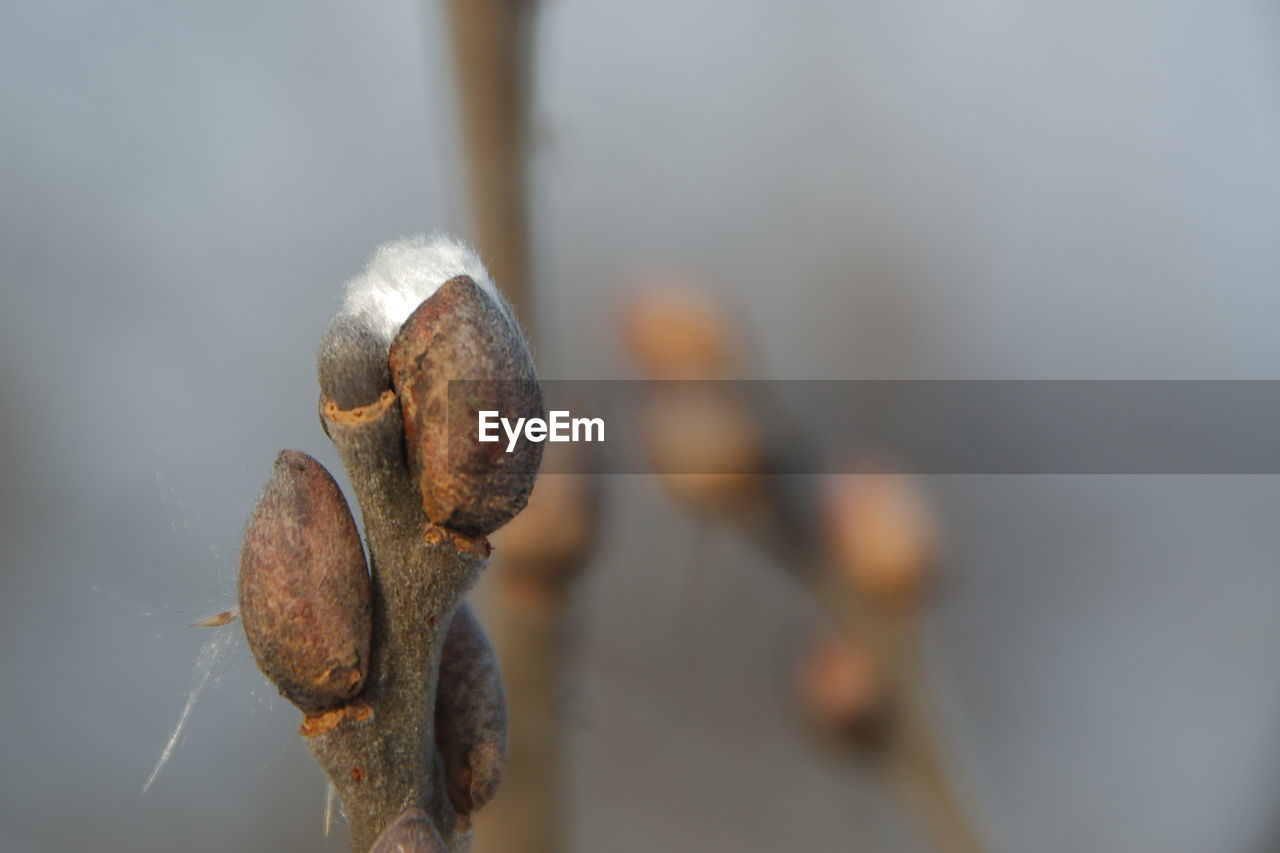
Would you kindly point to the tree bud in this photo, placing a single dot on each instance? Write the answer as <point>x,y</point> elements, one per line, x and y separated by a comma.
<point>471,715</point>
<point>705,447</point>
<point>303,587</point>
<point>546,545</point>
<point>880,534</point>
<point>351,363</point>
<point>843,695</point>
<point>462,333</point>
<point>412,832</point>
<point>675,331</point>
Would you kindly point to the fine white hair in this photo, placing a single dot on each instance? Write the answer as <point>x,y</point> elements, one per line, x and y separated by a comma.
<point>403,273</point>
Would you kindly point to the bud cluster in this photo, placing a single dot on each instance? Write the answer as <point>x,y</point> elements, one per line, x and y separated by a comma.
<point>369,650</point>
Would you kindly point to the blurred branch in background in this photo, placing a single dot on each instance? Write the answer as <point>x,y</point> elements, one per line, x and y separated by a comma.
<point>863,545</point>
<point>539,555</point>
<point>492,43</point>
<point>527,604</point>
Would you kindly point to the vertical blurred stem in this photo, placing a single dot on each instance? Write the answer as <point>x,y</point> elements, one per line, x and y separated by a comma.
<point>527,815</point>
<point>917,761</point>
<point>491,51</point>
<point>492,43</point>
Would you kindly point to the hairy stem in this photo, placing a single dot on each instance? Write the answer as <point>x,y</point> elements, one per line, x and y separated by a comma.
<point>379,751</point>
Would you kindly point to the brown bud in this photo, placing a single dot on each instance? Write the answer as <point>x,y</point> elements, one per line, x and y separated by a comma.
<point>842,693</point>
<point>880,535</point>
<point>351,363</point>
<point>546,545</point>
<point>673,331</point>
<point>412,832</point>
<point>471,715</point>
<point>461,333</point>
<point>704,447</point>
<point>304,588</point>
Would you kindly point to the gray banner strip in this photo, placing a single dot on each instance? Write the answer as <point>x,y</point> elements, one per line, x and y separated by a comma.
<point>994,427</point>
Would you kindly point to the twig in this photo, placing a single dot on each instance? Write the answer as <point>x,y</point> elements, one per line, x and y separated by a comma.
<point>491,43</point>
<point>715,452</point>
<point>385,762</point>
<point>540,553</point>
<point>528,815</point>
<point>528,607</point>
<point>364,654</point>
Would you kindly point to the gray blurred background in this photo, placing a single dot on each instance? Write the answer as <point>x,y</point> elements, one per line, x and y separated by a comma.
<point>887,189</point>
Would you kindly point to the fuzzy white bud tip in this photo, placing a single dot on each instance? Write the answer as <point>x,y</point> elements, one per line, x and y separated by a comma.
<point>404,273</point>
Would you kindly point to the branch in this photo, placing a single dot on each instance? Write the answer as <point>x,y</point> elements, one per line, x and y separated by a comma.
<point>491,52</point>
<point>540,554</point>
<point>392,640</point>
<point>863,549</point>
